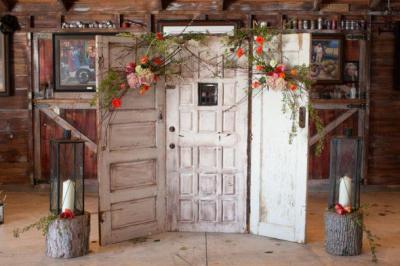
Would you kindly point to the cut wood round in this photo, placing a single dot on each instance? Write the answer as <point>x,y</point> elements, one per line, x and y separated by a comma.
<point>343,233</point>
<point>68,238</point>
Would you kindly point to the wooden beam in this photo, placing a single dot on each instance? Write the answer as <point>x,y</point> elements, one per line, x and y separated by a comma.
<point>221,5</point>
<point>373,4</point>
<point>317,5</point>
<point>163,4</point>
<point>331,126</point>
<point>75,132</point>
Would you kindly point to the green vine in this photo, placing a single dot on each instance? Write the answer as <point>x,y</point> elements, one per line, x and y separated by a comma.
<point>372,238</point>
<point>41,225</point>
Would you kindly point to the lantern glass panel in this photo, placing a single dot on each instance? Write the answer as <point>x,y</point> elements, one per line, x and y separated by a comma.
<point>345,161</point>
<point>67,164</point>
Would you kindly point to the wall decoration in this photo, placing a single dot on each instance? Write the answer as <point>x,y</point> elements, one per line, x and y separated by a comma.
<point>327,58</point>
<point>4,64</point>
<point>74,62</point>
<point>351,71</point>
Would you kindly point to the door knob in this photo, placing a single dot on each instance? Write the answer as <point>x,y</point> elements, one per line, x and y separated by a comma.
<point>171,129</point>
<point>172,146</point>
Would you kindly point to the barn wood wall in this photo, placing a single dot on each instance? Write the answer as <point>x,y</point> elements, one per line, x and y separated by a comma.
<point>384,144</point>
<point>15,153</point>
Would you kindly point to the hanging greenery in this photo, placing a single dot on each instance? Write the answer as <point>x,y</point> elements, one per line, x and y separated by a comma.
<point>269,70</point>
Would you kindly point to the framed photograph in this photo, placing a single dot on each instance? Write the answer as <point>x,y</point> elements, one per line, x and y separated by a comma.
<point>327,58</point>
<point>4,64</point>
<point>351,71</point>
<point>74,62</point>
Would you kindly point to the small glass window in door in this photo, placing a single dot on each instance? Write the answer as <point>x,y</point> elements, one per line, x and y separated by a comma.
<point>208,94</point>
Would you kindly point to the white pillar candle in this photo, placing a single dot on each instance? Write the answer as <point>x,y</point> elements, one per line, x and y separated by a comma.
<point>68,195</point>
<point>345,191</point>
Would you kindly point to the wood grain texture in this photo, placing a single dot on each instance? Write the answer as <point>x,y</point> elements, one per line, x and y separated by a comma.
<point>68,238</point>
<point>343,233</point>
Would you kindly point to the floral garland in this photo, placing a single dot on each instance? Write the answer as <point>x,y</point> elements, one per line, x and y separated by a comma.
<point>269,72</point>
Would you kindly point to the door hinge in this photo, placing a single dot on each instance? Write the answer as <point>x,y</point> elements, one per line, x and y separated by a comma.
<point>160,116</point>
<point>101,218</point>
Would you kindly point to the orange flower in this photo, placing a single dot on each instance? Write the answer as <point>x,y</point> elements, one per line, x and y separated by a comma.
<point>144,60</point>
<point>259,50</point>
<point>260,40</point>
<point>293,72</point>
<point>292,87</point>
<point>143,89</point>
<point>116,102</point>
<point>255,84</point>
<point>282,75</point>
<point>239,52</point>
<point>157,61</point>
<point>259,67</point>
<point>159,36</point>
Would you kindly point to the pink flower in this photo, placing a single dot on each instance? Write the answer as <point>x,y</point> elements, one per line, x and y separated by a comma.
<point>133,81</point>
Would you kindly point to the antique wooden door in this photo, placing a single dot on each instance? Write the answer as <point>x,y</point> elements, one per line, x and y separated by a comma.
<point>206,143</point>
<point>131,153</point>
<point>279,169</point>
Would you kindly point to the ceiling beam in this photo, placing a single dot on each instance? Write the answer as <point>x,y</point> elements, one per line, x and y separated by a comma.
<point>373,4</point>
<point>4,6</point>
<point>317,5</point>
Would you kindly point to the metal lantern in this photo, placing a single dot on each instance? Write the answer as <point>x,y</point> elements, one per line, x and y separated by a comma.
<point>66,175</point>
<point>345,172</point>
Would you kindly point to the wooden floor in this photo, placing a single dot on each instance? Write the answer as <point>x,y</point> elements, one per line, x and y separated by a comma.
<point>202,248</point>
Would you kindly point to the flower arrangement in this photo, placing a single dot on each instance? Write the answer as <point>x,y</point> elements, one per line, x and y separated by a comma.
<point>268,71</point>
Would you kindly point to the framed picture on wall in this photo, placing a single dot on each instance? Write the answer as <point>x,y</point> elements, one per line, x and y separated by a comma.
<point>351,70</point>
<point>74,62</point>
<point>4,65</point>
<point>327,58</point>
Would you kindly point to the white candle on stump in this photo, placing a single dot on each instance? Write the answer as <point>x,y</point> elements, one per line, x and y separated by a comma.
<point>345,191</point>
<point>68,197</point>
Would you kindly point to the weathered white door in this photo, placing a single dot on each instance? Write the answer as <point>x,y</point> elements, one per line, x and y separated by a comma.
<point>206,144</point>
<point>279,169</point>
<point>131,153</point>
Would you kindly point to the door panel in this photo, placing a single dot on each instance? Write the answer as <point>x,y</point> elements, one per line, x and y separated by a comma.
<point>131,155</point>
<point>279,169</point>
<point>206,166</point>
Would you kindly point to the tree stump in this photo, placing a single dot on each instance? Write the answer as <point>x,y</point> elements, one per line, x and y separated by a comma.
<point>68,238</point>
<point>343,233</point>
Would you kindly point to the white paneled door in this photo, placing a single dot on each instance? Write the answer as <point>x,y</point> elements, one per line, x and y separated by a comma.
<point>206,143</point>
<point>279,169</point>
<point>131,153</point>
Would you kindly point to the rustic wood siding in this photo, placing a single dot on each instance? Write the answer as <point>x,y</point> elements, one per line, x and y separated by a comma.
<point>384,144</point>
<point>16,121</point>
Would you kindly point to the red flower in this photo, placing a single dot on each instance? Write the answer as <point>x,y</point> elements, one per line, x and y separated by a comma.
<point>279,69</point>
<point>259,50</point>
<point>255,84</point>
<point>282,75</point>
<point>341,210</point>
<point>129,68</point>
<point>116,102</point>
<point>239,52</point>
<point>260,40</point>
<point>292,87</point>
<point>157,61</point>
<point>259,67</point>
<point>67,214</point>
<point>144,60</point>
<point>159,36</point>
<point>143,89</point>
<point>122,86</point>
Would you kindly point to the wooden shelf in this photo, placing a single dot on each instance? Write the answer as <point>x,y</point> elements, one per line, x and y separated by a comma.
<point>338,101</point>
<point>64,103</point>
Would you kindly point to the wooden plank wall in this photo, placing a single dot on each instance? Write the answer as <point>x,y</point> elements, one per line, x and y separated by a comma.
<point>16,121</point>
<point>384,145</point>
